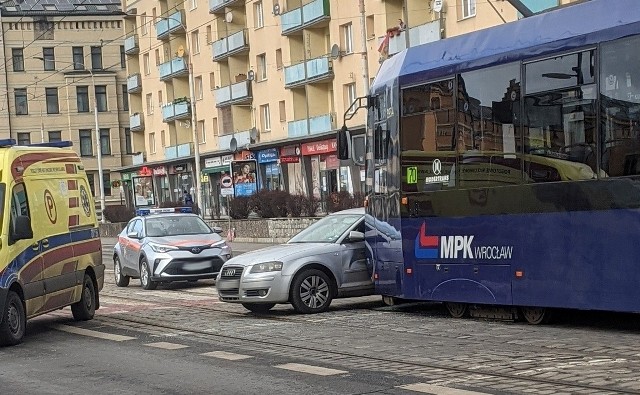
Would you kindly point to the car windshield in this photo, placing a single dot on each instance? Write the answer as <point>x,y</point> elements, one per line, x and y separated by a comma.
<point>176,225</point>
<point>327,230</point>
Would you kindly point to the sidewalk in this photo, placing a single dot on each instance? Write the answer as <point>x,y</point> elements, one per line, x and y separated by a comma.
<point>109,242</point>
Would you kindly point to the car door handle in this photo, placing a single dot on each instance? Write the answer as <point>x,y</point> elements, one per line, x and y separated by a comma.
<point>35,246</point>
<point>45,243</point>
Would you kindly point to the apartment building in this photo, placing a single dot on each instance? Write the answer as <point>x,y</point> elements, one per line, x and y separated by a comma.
<point>58,57</point>
<point>271,83</point>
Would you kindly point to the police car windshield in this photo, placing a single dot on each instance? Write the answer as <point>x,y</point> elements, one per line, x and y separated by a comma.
<point>176,225</point>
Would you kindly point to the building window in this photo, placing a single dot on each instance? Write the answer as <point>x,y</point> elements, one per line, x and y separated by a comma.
<point>105,142</point>
<point>22,106</point>
<point>128,147</point>
<point>157,53</point>
<point>258,15</point>
<point>96,58</point>
<point>202,135</point>
<point>262,67</point>
<point>349,95</point>
<point>265,114</point>
<point>160,99</point>
<point>149,98</point>
<point>194,4</point>
<point>86,145</point>
<point>347,38</point>
<point>106,183</point>
<point>214,129</point>
<point>208,34</point>
<point>82,98</point>
<point>468,8</point>
<point>152,143</point>
<point>24,138</point>
<point>49,57</point>
<point>279,58</point>
<point>143,24</point>
<point>195,42</point>
<point>91,177</point>
<point>370,23</point>
<point>123,58</point>
<point>78,58</point>
<point>162,139</point>
<point>125,98</point>
<point>55,136</point>
<point>52,100</point>
<point>212,81</point>
<point>283,111</point>
<point>101,97</point>
<point>145,62</point>
<point>18,59</point>
<point>198,83</point>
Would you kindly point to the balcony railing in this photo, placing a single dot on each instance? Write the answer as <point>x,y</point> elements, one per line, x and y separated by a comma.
<point>313,70</point>
<point>134,83</point>
<point>136,122</point>
<point>227,46</point>
<point>138,159</point>
<point>131,46</point>
<point>172,24</point>
<point>313,125</point>
<point>178,110</point>
<point>218,5</point>
<point>421,34</point>
<point>239,92</point>
<point>300,18</point>
<point>175,68</point>
<point>178,151</point>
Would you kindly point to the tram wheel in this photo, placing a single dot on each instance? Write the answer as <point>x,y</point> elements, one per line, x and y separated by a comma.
<point>457,310</point>
<point>535,315</point>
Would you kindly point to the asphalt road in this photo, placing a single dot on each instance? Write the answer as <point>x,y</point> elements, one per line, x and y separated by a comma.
<point>180,339</point>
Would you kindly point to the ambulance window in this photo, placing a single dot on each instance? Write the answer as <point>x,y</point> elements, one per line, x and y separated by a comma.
<point>19,204</point>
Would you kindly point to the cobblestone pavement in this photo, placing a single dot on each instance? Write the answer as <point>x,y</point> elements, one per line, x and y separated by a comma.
<point>581,353</point>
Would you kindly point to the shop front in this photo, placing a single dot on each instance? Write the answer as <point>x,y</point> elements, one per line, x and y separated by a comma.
<point>161,184</point>
<point>268,169</point>
<point>181,181</point>
<point>321,164</point>
<point>292,173</point>
<point>143,191</point>
<point>215,169</point>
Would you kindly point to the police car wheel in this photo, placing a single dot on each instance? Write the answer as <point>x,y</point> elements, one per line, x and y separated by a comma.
<point>14,321</point>
<point>121,280</point>
<point>311,291</point>
<point>85,308</point>
<point>145,276</point>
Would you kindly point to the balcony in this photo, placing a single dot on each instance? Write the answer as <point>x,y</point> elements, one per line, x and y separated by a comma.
<point>313,125</point>
<point>136,122</point>
<point>131,46</point>
<point>237,93</point>
<point>421,34</point>
<point>231,45</point>
<point>177,67</point>
<point>134,83</point>
<point>138,159</point>
<point>178,151</point>
<point>174,23</point>
<point>216,6</point>
<point>310,14</point>
<point>314,70</point>
<point>176,110</point>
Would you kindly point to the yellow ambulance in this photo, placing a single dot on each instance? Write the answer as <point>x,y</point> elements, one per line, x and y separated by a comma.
<point>50,252</point>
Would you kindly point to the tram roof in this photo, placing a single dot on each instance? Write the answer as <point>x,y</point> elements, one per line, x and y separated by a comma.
<point>554,31</point>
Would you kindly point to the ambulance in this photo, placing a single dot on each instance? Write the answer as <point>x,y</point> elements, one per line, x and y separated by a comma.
<point>50,251</point>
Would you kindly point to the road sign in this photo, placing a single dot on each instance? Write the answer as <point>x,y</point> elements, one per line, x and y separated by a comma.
<point>226,182</point>
<point>226,191</point>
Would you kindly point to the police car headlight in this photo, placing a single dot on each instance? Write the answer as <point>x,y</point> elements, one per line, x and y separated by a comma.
<point>161,247</point>
<point>266,267</point>
<point>219,244</point>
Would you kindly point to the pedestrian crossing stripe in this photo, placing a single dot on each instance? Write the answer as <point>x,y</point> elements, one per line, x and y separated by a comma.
<point>229,356</point>
<point>437,390</point>
<point>91,333</point>
<point>317,370</point>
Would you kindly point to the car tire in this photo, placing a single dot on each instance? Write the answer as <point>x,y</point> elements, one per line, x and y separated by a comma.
<point>14,321</point>
<point>121,279</point>
<point>258,308</point>
<point>145,276</point>
<point>311,291</point>
<point>85,308</point>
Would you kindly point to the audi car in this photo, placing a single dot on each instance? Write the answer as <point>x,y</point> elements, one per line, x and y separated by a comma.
<point>165,245</point>
<point>325,261</point>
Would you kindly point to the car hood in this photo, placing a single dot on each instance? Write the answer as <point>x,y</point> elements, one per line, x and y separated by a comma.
<point>186,240</point>
<point>282,252</point>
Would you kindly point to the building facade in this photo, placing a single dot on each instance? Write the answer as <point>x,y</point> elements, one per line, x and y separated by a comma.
<point>256,89</point>
<point>58,58</point>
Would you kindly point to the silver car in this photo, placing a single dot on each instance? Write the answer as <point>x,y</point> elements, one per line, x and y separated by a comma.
<point>164,247</point>
<point>325,261</point>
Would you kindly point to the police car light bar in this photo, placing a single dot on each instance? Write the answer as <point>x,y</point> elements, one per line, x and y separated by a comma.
<point>168,210</point>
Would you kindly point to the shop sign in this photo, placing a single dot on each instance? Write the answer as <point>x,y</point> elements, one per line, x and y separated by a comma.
<point>227,159</point>
<point>319,147</point>
<point>160,171</point>
<point>213,162</point>
<point>290,150</point>
<point>289,159</point>
<point>126,176</point>
<point>145,172</point>
<point>332,162</point>
<point>179,168</point>
<point>268,155</point>
<point>244,155</point>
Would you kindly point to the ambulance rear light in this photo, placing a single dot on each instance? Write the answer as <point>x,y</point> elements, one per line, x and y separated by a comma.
<point>168,210</point>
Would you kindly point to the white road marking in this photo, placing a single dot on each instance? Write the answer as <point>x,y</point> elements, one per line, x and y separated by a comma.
<point>226,355</point>
<point>166,345</point>
<point>90,333</point>
<point>318,370</point>
<point>437,390</point>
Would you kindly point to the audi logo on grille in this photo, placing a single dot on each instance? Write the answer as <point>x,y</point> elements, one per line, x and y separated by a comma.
<point>229,272</point>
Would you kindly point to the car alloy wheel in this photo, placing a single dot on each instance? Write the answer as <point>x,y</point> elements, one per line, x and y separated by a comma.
<point>311,291</point>
<point>145,276</point>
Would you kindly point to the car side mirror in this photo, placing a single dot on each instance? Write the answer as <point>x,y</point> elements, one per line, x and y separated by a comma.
<point>21,228</point>
<point>133,235</point>
<point>217,229</point>
<point>355,236</point>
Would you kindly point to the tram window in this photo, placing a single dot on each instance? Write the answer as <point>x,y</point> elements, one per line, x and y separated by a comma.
<point>620,107</point>
<point>560,72</point>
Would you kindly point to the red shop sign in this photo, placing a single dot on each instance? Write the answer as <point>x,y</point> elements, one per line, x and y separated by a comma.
<point>145,172</point>
<point>289,159</point>
<point>320,147</point>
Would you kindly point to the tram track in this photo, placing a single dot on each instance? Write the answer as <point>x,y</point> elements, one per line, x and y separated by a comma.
<point>347,358</point>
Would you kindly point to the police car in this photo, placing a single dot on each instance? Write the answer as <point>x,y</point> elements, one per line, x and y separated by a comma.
<point>168,244</point>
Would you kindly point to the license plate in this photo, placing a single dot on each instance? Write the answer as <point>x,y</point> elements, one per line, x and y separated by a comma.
<point>197,266</point>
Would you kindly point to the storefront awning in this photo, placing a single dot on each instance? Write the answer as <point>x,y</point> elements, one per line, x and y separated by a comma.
<point>216,169</point>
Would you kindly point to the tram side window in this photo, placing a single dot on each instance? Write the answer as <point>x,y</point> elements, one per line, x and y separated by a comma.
<point>489,135</point>
<point>560,118</point>
<point>620,107</point>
